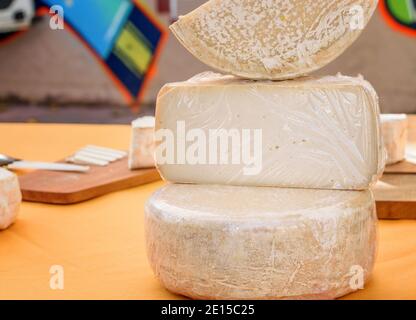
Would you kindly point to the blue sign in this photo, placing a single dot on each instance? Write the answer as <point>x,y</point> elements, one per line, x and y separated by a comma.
<point>121,33</point>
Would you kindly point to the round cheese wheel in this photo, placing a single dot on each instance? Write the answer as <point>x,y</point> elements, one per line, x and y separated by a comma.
<point>225,242</point>
<point>10,198</point>
<point>394,128</point>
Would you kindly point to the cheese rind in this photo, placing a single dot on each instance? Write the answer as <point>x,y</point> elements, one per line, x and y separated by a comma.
<point>263,39</point>
<point>142,146</point>
<point>395,129</point>
<point>224,242</point>
<point>315,132</point>
<point>10,198</point>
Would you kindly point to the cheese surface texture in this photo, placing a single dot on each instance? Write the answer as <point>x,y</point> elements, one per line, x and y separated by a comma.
<point>10,198</point>
<point>306,133</point>
<point>272,39</point>
<point>395,129</point>
<point>225,242</point>
<point>142,146</point>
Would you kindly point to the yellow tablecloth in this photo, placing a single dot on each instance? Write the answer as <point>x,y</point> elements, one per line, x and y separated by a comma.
<point>100,243</point>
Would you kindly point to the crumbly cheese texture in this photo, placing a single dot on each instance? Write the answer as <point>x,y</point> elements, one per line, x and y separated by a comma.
<point>142,146</point>
<point>272,39</point>
<point>10,198</point>
<point>315,132</point>
<point>395,129</point>
<point>224,242</point>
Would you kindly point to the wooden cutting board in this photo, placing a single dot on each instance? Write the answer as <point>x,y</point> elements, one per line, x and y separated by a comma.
<point>405,166</point>
<point>396,192</point>
<point>68,188</point>
<point>396,196</point>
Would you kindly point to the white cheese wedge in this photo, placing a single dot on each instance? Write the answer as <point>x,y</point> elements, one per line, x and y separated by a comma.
<point>142,146</point>
<point>224,242</point>
<point>272,39</point>
<point>394,128</point>
<point>306,133</point>
<point>10,198</point>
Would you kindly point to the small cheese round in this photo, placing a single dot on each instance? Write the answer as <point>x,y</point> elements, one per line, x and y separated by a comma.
<point>225,242</point>
<point>10,198</point>
<point>394,128</point>
<point>142,143</point>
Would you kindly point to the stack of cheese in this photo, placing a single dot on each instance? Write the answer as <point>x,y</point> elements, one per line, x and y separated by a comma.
<point>283,210</point>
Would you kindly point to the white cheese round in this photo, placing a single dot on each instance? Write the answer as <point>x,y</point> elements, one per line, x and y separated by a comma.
<point>142,145</point>
<point>10,198</point>
<point>225,242</point>
<point>394,128</point>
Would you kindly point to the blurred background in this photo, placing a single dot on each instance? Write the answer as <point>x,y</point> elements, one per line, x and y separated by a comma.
<point>109,60</point>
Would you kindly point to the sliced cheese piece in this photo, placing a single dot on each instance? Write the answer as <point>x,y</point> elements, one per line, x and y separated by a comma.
<point>10,198</point>
<point>142,143</point>
<point>119,154</point>
<point>95,155</point>
<point>86,160</point>
<point>224,242</point>
<point>307,133</point>
<point>278,39</point>
<point>394,128</point>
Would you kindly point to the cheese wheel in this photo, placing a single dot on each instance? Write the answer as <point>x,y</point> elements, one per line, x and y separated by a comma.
<point>272,39</point>
<point>319,133</point>
<point>224,242</point>
<point>10,198</point>
<point>394,128</point>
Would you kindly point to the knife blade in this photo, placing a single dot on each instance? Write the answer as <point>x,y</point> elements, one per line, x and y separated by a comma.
<point>51,166</point>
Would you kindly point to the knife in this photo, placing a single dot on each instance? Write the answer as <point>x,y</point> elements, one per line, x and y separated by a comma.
<point>17,164</point>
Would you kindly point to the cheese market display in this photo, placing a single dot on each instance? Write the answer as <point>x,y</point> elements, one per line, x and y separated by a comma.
<point>223,242</point>
<point>268,181</point>
<point>308,139</point>
<point>142,143</point>
<point>10,198</point>
<point>277,39</point>
<point>394,129</point>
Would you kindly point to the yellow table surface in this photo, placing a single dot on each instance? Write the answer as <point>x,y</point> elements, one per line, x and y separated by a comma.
<point>100,243</point>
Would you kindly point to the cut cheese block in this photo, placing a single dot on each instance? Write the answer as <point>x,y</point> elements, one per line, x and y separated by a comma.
<point>394,128</point>
<point>10,198</point>
<point>306,133</point>
<point>224,242</point>
<point>142,146</point>
<point>277,39</point>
